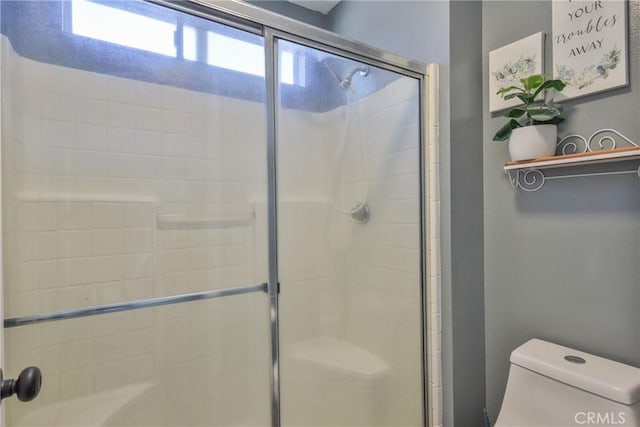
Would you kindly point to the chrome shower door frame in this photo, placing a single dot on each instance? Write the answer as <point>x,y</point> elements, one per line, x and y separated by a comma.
<point>348,49</point>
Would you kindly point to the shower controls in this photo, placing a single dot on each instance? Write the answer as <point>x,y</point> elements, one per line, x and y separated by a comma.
<point>361,213</point>
<point>26,387</point>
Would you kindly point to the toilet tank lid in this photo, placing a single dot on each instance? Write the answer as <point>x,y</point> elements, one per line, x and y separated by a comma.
<point>607,378</point>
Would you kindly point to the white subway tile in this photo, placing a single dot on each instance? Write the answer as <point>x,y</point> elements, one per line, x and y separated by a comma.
<point>149,142</point>
<point>129,166</point>
<point>57,133</point>
<point>198,125</point>
<point>107,242</point>
<point>90,85</point>
<point>107,215</point>
<point>42,160</point>
<point>175,122</point>
<point>138,215</point>
<point>27,243</point>
<point>107,268</point>
<point>137,240</point>
<point>150,119</point>
<point>80,296</point>
<point>108,325</point>
<point>22,304</point>
<point>110,347</point>
<point>175,260</point>
<point>74,355</point>
<point>50,275</point>
<point>176,99</point>
<point>37,216</point>
<point>57,106</point>
<point>50,300</point>
<point>74,216</point>
<point>122,90</point>
<point>31,132</point>
<point>175,145</point>
<point>121,115</point>
<point>138,289</point>
<point>137,266</point>
<point>75,383</point>
<point>172,168</point>
<point>122,140</point>
<point>77,271</point>
<point>89,137</point>
<point>141,368</point>
<point>90,110</point>
<point>148,94</point>
<point>87,163</point>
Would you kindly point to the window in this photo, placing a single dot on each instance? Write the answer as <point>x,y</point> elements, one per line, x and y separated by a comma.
<point>234,54</point>
<point>126,28</point>
<point>189,43</point>
<point>286,69</point>
<point>122,27</point>
<point>238,55</point>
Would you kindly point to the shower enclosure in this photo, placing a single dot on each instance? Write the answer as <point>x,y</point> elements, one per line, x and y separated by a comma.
<point>211,215</point>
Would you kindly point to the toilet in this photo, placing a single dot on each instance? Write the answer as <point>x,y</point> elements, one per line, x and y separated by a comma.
<point>552,385</point>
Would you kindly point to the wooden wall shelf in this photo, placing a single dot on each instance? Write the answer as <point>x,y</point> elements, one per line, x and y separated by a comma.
<point>528,175</point>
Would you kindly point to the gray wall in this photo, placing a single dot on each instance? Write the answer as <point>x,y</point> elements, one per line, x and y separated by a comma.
<point>292,10</point>
<point>413,29</point>
<point>561,264</point>
<point>467,240</point>
<point>448,33</point>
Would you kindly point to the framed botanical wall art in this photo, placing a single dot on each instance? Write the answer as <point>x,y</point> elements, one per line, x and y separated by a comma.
<point>510,63</point>
<point>589,46</point>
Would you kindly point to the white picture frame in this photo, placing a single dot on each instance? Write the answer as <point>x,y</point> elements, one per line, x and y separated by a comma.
<point>589,44</point>
<point>510,63</point>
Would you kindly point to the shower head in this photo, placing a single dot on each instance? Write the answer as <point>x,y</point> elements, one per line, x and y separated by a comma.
<point>345,83</point>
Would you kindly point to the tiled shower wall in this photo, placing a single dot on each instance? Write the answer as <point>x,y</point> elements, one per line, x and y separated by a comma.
<point>312,301</point>
<point>367,293</point>
<point>91,165</point>
<point>382,263</point>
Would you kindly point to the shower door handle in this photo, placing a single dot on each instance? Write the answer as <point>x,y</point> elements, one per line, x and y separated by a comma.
<point>26,387</point>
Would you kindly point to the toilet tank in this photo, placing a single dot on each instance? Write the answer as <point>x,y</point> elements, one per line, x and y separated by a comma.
<point>551,385</point>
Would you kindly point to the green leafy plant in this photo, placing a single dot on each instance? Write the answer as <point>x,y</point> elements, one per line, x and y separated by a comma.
<point>533,111</point>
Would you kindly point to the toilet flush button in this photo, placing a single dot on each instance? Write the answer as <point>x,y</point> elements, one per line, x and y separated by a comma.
<point>575,359</point>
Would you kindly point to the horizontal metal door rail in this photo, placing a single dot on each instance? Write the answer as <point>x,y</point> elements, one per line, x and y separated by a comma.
<point>131,305</point>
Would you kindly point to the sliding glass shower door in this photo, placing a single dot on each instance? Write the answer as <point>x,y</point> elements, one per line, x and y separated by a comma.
<point>349,243</point>
<point>207,220</point>
<point>134,169</point>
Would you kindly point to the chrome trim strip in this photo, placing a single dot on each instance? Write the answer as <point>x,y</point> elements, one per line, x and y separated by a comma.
<point>424,239</point>
<point>432,323</point>
<point>131,305</point>
<point>245,16</point>
<point>271,76</point>
<point>375,62</point>
<point>310,32</point>
<point>206,11</point>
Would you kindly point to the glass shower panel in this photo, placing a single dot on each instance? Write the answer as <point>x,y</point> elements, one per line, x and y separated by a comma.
<point>349,243</point>
<point>134,167</point>
<point>196,364</point>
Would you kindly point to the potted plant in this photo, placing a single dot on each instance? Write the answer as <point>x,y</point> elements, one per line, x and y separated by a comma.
<point>531,129</point>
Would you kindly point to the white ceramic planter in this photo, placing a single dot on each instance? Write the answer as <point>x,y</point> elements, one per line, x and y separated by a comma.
<point>531,142</point>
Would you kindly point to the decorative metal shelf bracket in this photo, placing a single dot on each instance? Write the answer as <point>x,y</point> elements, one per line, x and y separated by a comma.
<point>579,151</point>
